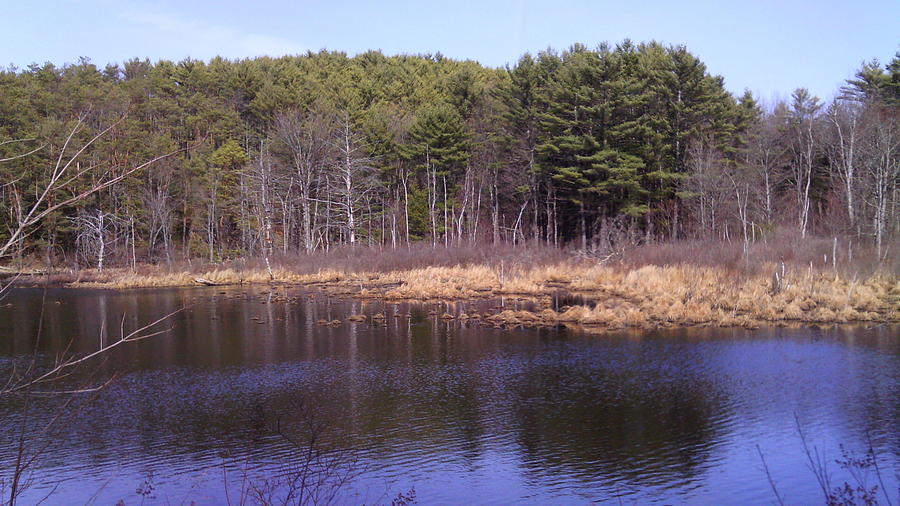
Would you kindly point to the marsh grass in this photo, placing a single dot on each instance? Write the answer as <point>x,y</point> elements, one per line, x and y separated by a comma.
<point>689,283</point>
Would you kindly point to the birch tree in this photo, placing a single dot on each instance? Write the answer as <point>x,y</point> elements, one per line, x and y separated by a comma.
<point>265,188</point>
<point>97,231</point>
<point>847,125</point>
<point>70,179</point>
<point>883,171</point>
<point>354,175</point>
<point>305,136</point>
<point>766,157</point>
<point>804,111</point>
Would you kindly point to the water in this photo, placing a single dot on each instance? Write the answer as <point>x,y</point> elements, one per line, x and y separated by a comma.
<point>457,411</point>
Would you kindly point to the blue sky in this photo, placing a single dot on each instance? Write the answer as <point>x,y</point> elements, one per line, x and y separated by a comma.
<point>769,47</point>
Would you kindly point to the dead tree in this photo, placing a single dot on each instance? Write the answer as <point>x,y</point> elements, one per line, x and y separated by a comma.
<point>354,176</point>
<point>305,138</point>
<point>883,168</point>
<point>59,187</point>
<point>707,184</point>
<point>844,149</point>
<point>35,379</point>
<point>158,201</point>
<point>766,153</point>
<point>98,230</point>
<point>804,150</point>
<point>264,181</point>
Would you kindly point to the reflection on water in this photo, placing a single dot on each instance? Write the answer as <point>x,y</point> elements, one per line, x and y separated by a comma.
<point>458,411</point>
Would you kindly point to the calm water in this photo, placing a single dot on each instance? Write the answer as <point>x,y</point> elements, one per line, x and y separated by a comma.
<point>459,412</point>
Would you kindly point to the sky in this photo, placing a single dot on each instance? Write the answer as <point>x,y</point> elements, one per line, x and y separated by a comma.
<point>768,47</point>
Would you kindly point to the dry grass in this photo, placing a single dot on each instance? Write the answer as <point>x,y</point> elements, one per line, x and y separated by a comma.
<point>639,293</point>
<point>645,296</point>
<point>691,295</point>
<point>845,254</point>
<point>653,296</point>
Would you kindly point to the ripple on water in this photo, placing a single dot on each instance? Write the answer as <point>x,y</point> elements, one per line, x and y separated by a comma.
<point>473,415</point>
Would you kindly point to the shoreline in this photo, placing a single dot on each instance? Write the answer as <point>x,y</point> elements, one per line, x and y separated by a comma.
<point>597,297</point>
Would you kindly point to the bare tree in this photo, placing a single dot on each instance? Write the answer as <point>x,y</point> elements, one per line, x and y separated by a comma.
<point>38,379</point>
<point>158,201</point>
<point>265,182</point>
<point>63,185</point>
<point>741,180</point>
<point>847,123</point>
<point>883,174</point>
<point>20,155</point>
<point>312,470</point>
<point>305,137</point>
<point>354,175</point>
<point>97,231</point>
<point>766,158</point>
<point>707,184</point>
<point>804,113</point>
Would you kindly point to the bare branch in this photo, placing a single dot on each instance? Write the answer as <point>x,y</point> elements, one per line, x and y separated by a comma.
<point>64,367</point>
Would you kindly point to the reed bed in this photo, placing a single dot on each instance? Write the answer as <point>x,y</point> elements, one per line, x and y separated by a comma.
<point>617,294</point>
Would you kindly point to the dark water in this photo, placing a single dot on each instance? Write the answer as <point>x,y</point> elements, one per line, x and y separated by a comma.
<point>459,412</point>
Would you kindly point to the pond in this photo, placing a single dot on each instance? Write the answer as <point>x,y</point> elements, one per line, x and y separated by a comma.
<point>457,411</point>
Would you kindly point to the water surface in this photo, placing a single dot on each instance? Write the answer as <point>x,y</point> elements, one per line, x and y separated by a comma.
<point>458,411</point>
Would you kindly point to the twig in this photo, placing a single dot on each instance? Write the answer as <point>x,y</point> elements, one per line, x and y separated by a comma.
<point>817,465</point>
<point>769,476</point>
<point>64,367</point>
<point>877,469</point>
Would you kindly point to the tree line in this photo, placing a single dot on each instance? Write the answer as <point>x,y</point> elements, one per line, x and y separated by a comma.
<point>583,147</point>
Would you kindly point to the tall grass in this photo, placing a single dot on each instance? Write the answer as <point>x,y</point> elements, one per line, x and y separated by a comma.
<point>843,254</point>
<point>684,283</point>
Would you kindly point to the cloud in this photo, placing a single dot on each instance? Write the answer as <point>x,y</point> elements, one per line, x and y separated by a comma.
<point>209,38</point>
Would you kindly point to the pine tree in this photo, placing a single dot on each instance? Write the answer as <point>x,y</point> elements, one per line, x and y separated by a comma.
<point>439,146</point>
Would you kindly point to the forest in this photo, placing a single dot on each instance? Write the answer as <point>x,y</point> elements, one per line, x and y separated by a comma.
<point>584,148</point>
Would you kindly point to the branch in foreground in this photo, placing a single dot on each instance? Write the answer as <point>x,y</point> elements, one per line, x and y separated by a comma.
<point>64,367</point>
<point>61,178</point>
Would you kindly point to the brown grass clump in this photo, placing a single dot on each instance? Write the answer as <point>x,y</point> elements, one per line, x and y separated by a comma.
<point>525,318</point>
<point>699,295</point>
<point>578,314</point>
<point>441,282</point>
<point>641,293</point>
